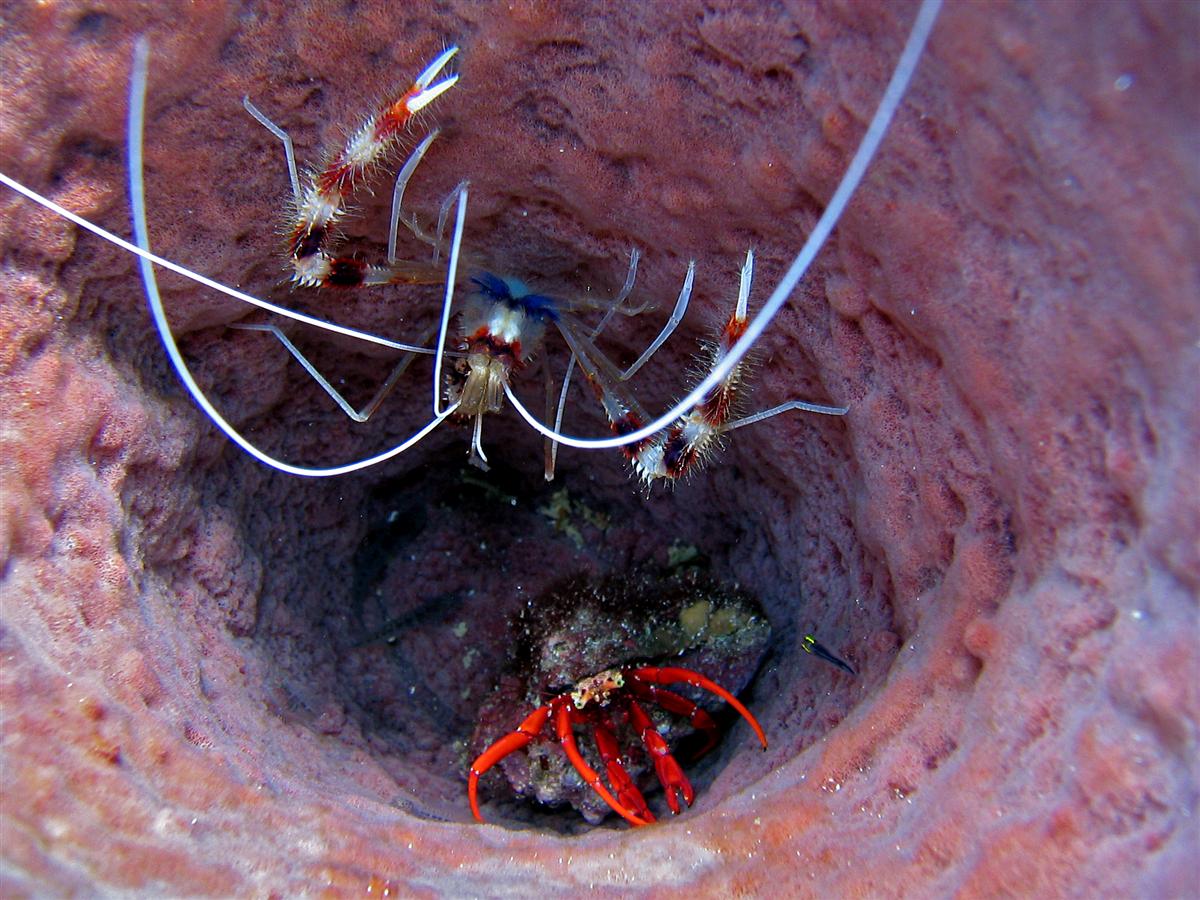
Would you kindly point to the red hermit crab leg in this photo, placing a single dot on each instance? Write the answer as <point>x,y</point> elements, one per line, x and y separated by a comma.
<point>650,675</point>
<point>563,719</point>
<point>510,743</point>
<point>610,755</point>
<point>681,706</point>
<point>670,773</point>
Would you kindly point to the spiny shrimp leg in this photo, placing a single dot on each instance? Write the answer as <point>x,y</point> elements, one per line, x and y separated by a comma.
<point>681,706</point>
<point>734,330</point>
<point>630,278</point>
<point>322,201</point>
<point>650,675</point>
<point>530,728</point>
<point>566,737</point>
<point>320,206</point>
<point>622,784</point>
<point>718,404</point>
<point>670,773</point>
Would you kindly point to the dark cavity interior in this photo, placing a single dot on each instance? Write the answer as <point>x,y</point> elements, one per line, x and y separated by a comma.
<point>374,609</point>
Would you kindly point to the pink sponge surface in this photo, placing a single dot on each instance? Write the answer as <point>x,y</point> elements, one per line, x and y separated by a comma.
<point>220,680</point>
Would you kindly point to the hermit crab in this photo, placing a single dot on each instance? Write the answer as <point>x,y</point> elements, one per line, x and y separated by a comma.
<point>612,659</point>
<point>634,662</point>
<point>597,701</point>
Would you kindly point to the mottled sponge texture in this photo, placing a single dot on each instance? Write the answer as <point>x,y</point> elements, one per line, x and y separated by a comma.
<point>217,679</point>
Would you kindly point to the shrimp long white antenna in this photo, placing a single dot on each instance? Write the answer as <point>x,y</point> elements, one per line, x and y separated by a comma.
<point>451,274</point>
<point>137,197</point>
<point>145,254</point>
<point>905,67</point>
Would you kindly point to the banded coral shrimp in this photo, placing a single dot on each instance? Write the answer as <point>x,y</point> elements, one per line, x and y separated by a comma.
<point>666,446</point>
<point>501,326</point>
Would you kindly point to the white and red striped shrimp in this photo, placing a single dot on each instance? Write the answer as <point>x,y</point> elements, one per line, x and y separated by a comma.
<point>501,327</point>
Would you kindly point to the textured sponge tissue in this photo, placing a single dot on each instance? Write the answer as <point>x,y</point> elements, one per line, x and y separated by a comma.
<point>217,679</point>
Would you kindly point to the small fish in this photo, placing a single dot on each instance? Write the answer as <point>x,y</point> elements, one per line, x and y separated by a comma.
<point>815,647</point>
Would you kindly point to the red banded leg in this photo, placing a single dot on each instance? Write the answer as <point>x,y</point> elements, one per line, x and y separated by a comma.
<point>622,784</point>
<point>696,434</point>
<point>649,675</point>
<point>674,782</point>
<point>566,737</point>
<point>322,201</point>
<point>510,743</point>
<point>681,706</point>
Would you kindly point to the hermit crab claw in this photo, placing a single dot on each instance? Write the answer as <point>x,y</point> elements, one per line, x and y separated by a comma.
<point>675,784</point>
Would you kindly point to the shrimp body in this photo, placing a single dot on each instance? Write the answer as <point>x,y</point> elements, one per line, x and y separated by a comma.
<point>501,325</point>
